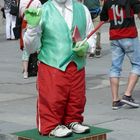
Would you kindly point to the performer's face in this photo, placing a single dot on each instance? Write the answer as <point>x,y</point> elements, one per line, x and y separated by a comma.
<point>61,1</point>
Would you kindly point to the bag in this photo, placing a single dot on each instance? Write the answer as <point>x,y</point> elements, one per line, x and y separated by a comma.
<point>95,12</point>
<point>14,9</point>
<point>3,13</point>
<point>17,28</point>
<point>32,65</point>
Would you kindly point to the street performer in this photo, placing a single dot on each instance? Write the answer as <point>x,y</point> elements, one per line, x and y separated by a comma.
<point>61,89</point>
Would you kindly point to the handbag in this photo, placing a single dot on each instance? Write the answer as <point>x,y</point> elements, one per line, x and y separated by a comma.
<point>17,28</point>
<point>3,13</point>
<point>32,65</point>
<point>14,9</point>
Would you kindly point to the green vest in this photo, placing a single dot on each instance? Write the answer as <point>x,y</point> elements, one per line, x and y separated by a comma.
<point>56,37</point>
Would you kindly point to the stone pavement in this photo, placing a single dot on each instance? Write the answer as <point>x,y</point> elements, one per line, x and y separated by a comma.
<point>18,96</point>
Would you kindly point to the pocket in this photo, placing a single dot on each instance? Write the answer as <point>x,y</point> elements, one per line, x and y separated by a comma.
<point>128,46</point>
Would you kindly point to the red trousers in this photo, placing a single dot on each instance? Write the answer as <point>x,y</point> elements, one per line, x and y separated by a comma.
<point>61,96</point>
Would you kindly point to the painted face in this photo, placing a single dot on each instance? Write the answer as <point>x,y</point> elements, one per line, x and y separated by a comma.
<point>61,1</point>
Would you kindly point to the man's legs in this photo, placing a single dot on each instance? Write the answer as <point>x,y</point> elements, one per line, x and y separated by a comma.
<point>127,98</point>
<point>114,82</point>
<point>132,80</point>
<point>76,101</point>
<point>132,50</point>
<point>117,60</point>
<point>117,103</point>
<point>97,54</point>
<point>58,105</point>
<point>98,45</point>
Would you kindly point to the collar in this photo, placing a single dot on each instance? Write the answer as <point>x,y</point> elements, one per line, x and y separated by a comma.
<point>67,5</point>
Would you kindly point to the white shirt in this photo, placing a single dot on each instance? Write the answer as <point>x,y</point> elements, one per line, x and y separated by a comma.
<point>32,35</point>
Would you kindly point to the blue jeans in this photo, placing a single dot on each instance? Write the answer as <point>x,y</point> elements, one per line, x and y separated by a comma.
<point>129,47</point>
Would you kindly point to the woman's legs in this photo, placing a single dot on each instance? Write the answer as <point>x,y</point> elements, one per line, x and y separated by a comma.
<point>13,23</point>
<point>8,24</point>
<point>25,59</point>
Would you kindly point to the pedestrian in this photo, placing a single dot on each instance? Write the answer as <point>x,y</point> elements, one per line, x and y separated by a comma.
<point>124,41</point>
<point>94,7</point>
<point>10,19</point>
<point>25,55</point>
<point>61,90</point>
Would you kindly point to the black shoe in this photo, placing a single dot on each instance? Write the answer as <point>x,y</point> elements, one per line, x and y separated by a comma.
<point>91,55</point>
<point>129,101</point>
<point>98,53</point>
<point>117,104</point>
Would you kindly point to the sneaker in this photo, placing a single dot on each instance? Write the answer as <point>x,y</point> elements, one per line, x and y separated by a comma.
<point>117,104</point>
<point>129,101</point>
<point>78,128</point>
<point>98,53</point>
<point>61,131</point>
<point>25,75</point>
<point>91,55</point>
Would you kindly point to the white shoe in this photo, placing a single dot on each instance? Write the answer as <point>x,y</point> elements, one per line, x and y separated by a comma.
<point>61,131</point>
<point>79,128</point>
<point>25,75</point>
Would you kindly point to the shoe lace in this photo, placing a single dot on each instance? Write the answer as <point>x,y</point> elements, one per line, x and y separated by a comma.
<point>60,126</point>
<point>131,99</point>
<point>56,128</point>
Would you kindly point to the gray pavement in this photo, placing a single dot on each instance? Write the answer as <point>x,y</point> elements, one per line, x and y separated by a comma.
<point>18,96</point>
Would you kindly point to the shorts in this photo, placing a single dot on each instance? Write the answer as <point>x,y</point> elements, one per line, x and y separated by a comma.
<point>129,47</point>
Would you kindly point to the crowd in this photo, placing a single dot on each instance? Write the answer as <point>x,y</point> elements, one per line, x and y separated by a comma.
<point>11,21</point>
<point>56,32</point>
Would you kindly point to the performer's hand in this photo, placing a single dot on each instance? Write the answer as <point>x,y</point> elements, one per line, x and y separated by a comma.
<point>33,16</point>
<point>81,50</point>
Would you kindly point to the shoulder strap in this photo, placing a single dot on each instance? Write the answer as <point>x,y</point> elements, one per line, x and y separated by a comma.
<point>28,5</point>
